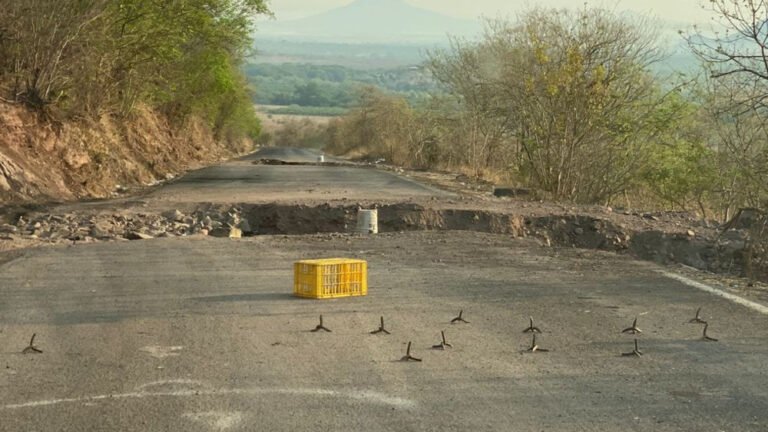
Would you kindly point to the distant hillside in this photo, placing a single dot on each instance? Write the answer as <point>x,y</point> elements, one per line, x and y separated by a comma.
<point>371,21</point>
<point>309,85</point>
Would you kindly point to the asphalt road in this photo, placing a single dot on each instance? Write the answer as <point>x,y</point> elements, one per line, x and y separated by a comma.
<point>242,181</point>
<point>202,334</point>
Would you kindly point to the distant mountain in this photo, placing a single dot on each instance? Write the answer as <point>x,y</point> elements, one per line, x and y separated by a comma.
<point>371,21</point>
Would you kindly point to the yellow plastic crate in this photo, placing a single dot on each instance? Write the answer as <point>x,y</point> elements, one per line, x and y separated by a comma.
<point>330,278</point>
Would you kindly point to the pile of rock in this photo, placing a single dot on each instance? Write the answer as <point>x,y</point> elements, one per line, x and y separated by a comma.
<point>139,226</point>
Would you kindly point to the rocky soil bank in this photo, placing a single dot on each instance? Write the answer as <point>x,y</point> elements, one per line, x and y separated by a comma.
<point>45,161</point>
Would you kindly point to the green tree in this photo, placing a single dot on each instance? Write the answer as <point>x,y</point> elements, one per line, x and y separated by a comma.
<point>99,56</point>
<point>681,168</point>
<point>571,90</point>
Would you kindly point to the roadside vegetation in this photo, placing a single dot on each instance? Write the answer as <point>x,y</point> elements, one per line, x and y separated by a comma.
<point>571,105</point>
<point>308,89</point>
<point>567,104</point>
<point>291,130</point>
<point>73,59</point>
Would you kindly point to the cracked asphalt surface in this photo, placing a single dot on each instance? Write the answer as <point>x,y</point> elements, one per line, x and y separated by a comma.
<point>202,334</point>
<point>242,181</point>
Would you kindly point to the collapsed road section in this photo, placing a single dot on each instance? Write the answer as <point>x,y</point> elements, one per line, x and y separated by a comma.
<point>704,249</point>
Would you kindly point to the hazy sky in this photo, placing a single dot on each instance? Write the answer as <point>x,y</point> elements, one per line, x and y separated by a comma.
<point>670,10</point>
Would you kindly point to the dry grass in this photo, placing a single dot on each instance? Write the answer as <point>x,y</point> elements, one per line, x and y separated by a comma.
<point>293,130</point>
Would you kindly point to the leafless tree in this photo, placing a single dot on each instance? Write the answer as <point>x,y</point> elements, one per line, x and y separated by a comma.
<point>467,71</point>
<point>734,51</point>
<point>736,47</point>
<point>40,41</point>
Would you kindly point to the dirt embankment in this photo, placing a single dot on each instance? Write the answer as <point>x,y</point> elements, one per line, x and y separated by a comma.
<point>40,161</point>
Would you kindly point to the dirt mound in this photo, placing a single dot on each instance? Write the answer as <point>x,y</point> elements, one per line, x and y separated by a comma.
<point>93,159</point>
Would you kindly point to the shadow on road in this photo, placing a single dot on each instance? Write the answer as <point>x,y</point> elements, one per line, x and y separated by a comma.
<point>246,297</point>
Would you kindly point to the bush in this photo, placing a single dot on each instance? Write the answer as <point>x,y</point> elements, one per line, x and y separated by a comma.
<point>102,56</point>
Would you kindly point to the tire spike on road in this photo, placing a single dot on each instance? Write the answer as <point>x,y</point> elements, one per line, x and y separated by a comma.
<point>381,328</point>
<point>535,347</point>
<point>705,337</point>
<point>443,344</point>
<point>531,328</point>
<point>321,327</point>
<point>697,319</point>
<point>408,357</point>
<point>460,318</point>
<point>634,353</point>
<point>634,329</point>
<point>31,348</point>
